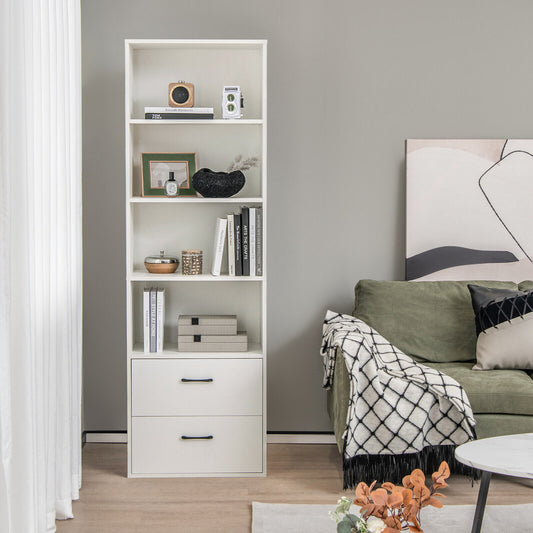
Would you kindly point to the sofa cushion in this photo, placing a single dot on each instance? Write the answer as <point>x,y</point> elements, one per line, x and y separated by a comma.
<point>493,425</point>
<point>428,320</point>
<point>525,285</point>
<point>495,391</point>
<point>504,328</point>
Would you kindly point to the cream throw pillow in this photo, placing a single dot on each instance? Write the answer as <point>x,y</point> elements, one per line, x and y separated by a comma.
<point>504,326</point>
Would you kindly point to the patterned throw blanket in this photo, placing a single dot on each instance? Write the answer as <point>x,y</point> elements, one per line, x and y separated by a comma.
<point>401,414</point>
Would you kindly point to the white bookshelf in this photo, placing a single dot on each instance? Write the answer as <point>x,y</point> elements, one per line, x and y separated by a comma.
<point>176,224</point>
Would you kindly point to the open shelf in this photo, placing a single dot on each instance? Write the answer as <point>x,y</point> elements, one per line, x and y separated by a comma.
<point>209,66</point>
<point>195,199</point>
<point>203,122</point>
<point>214,148</point>
<point>178,276</point>
<point>201,297</point>
<point>173,226</point>
<point>170,351</point>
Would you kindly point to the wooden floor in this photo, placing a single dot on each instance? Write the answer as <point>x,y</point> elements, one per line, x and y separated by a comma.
<point>109,502</point>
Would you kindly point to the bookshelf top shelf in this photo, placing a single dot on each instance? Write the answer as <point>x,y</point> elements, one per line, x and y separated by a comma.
<point>143,44</point>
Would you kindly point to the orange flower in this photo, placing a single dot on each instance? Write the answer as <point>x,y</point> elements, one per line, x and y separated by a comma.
<point>399,506</point>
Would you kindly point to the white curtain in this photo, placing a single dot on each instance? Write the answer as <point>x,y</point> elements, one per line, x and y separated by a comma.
<point>40,263</point>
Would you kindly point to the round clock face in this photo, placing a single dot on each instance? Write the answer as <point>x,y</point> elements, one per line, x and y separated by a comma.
<point>180,94</point>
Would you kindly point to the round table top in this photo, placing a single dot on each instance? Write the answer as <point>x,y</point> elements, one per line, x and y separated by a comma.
<point>510,455</point>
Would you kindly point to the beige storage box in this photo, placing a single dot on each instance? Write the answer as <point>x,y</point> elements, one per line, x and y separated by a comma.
<point>213,343</point>
<point>207,325</point>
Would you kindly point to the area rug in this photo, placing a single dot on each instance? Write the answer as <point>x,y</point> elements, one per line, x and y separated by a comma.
<point>297,518</point>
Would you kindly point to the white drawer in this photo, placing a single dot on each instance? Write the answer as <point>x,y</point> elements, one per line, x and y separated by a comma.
<point>160,387</point>
<point>158,446</point>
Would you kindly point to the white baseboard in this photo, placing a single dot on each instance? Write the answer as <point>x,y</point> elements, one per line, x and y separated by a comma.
<point>272,438</point>
<point>120,438</point>
<point>300,438</point>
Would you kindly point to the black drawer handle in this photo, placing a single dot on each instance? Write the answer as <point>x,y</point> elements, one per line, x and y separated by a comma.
<point>187,437</point>
<point>205,380</point>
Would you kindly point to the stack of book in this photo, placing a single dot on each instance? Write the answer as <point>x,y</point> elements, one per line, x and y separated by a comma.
<point>179,113</point>
<point>243,233</point>
<point>210,333</point>
<point>153,319</point>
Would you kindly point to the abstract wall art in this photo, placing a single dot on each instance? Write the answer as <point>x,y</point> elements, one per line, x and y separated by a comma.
<point>469,209</point>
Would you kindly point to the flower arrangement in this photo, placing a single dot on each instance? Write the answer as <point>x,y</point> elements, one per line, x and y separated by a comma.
<point>391,508</point>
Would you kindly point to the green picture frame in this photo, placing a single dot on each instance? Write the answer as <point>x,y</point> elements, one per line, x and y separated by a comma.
<point>156,166</point>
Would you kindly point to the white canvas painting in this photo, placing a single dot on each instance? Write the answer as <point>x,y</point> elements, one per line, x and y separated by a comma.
<point>469,209</point>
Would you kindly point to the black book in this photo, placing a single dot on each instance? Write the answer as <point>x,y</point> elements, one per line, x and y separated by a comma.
<point>245,222</point>
<point>179,116</point>
<point>238,245</point>
<point>259,241</point>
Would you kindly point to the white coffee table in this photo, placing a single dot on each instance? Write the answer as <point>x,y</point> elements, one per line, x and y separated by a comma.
<point>511,455</point>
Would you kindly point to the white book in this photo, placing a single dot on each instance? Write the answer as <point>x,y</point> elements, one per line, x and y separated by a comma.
<point>160,317</point>
<point>231,245</point>
<point>153,319</point>
<point>218,245</point>
<point>178,110</point>
<point>146,319</point>
<point>251,233</point>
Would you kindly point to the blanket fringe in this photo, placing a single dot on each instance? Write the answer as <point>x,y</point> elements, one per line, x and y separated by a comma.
<point>393,468</point>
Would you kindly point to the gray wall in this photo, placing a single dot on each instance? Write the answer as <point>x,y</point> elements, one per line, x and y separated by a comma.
<point>348,82</point>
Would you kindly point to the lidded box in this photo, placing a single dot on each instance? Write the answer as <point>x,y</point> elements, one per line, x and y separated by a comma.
<point>161,264</point>
<point>207,324</point>
<point>213,343</point>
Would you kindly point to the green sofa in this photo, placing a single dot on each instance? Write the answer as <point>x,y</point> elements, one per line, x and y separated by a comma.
<point>433,322</point>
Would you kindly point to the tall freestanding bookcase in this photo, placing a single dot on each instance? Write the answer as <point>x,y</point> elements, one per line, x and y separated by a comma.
<point>226,413</point>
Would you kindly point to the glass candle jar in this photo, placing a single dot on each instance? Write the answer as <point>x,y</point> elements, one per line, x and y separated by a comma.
<point>191,262</point>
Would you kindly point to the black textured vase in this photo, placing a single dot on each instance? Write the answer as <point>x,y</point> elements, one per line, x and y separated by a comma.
<point>218,184</point>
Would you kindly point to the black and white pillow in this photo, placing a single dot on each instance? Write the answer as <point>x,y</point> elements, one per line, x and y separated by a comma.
<point>504,328</point>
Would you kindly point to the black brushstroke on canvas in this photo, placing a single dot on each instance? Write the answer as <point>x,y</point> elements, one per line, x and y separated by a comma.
<point>451,256</point>
<point>503,150</point>
<point>493,208</point>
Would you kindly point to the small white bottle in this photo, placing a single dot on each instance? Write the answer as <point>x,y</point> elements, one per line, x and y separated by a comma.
<point>171,186</point>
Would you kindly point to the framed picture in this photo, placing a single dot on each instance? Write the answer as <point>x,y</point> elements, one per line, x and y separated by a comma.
<point>156,168</point>
<point>464,220</point>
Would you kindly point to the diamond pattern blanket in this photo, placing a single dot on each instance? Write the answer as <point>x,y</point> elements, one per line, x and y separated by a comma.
<point>401,414</point>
